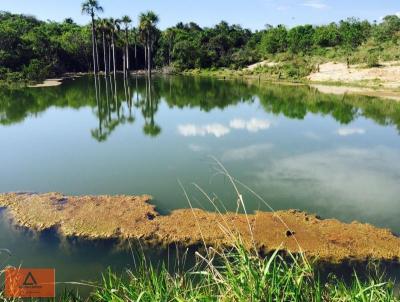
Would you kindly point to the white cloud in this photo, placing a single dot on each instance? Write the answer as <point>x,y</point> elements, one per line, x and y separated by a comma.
<point>350,131</point>
<point>398,14</point>
<point>248,152</point>
<point>252,125</point>
<point>217,130</point>
<point>316,4</point>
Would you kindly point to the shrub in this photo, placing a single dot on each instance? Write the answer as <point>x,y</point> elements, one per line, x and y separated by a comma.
<point>372,60</point>
<point>36,70</point>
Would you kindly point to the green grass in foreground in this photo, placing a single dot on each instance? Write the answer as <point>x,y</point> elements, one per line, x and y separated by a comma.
<point>237,275</point>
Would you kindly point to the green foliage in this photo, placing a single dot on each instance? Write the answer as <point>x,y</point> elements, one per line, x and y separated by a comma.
<point>388,30</point>
<point>372,59</point>
<point>300,38</point>
<point>327,36</point>
<point>354,32</point>
<point>275,39</point>
<point>36,70</point>
<point>221,46</point>
<point>33,50</point>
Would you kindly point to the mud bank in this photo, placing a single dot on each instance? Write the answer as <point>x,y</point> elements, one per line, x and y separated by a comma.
<point>132,217</point>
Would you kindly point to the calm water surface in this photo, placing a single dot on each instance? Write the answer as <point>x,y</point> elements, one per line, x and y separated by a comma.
<point>335,155</point>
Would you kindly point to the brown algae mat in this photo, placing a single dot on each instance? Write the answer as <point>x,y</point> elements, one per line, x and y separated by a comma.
<point>132,217</point>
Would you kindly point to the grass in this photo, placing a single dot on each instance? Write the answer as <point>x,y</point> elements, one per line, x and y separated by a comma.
<point>239,275</point>
<point>235,275</point>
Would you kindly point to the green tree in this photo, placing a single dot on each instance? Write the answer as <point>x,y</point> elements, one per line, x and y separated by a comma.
<point>147,25</point>
<point>126,20</point>
<point>388,30</point>
<point>91,7</point>
<point>353,33</point>
<point>327,35</point>
<point>275,40</point>
<point>115,28</point>
<point>104,27</point>
<point>300,38</point>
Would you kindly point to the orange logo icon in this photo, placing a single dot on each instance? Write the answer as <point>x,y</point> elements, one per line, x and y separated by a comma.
<point>30,283</point>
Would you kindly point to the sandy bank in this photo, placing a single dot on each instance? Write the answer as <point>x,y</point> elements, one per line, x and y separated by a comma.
<point>387,75</point>
<point>261,64</point>
<point>48,83</point>
<point>133,217</point>
<point>58,81</point>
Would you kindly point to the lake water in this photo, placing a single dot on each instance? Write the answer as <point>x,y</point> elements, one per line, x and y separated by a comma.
<point>335,155</point>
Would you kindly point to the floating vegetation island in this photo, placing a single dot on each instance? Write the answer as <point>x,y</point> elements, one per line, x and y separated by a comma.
<point>133,217</point>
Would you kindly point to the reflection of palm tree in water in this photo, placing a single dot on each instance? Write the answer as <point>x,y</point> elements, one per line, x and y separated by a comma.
<point>117,107</point>
<point>149,109</point>
<point>111,113</point>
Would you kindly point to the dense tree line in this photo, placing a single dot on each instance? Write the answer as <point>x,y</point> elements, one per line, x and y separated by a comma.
<point>348,34</point>
<point>31,49</point>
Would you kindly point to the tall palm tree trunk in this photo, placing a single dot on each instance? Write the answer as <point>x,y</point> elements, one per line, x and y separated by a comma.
<point>148,54</point>
<point>97,53</point>
<point>104,53</point>
<point>145,57</point>
<point>93,46</point>
<point>109,57</point>
<point>127,49</point>
<point>135,56</point>
<point>149,60</point>
<point>124,62</point>
<point>127,58</point>
<point>113,50</point>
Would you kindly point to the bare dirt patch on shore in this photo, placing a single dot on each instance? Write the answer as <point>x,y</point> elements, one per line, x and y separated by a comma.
<point>262,64</point>
<point>132,217</point>
<point>48,83</point>
<point>387,75</point>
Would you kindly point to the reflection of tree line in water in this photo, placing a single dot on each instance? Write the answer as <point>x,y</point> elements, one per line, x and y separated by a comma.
<point>115,101</point>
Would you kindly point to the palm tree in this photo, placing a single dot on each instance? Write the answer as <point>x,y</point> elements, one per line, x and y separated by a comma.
<point>90,7</point>
<point>135,39</point>
<point>147,25</point>
<point>114,25</point>
<point>104,27</point>
<point>126,20</point>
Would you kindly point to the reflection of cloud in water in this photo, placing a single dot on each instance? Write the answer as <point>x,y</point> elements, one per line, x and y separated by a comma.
<point>197,148</point>
<point>312,135</point>
<point>248,152</point>
<point>252,125</point>
<point>350,131</point>
<point>350,183</point>
<point>217,130</point>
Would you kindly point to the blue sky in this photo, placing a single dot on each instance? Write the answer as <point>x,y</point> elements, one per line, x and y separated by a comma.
<point>252,14</point>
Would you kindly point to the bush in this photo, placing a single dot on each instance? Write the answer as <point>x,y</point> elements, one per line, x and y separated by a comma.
<point>372,60</point>
<point>36,70</point>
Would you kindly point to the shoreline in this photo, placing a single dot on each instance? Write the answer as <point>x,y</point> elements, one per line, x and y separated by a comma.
<point>326,87</point>
<point>133,217</point>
